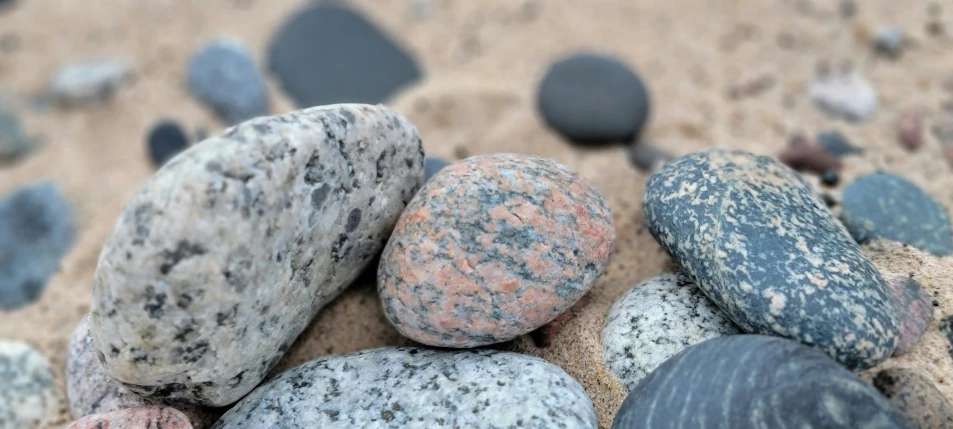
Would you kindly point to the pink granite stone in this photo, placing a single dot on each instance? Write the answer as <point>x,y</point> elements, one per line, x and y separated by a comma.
<point>914,309</point>
<point>493,247</point>
<point>135,418</point>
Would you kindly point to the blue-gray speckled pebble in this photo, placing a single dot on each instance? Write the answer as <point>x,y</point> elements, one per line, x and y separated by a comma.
<point>754,381</point>
<point>753,236</point>
<point>407,387</point>
<point>882,205</point>
<point>224,76</point>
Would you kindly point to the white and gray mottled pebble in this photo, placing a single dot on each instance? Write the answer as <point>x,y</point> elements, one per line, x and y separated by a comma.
<point>655,320</point>
<point>89,82</point>
<point>846,94</point>
<point>223,257</point>
<point>223,75</point>
<point>26,385</point>
<point>405,387</point>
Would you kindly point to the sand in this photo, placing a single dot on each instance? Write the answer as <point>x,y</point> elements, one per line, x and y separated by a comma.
<point>483,60</point>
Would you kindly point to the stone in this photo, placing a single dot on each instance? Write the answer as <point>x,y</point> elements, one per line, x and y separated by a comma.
<point>647,157</point>
<point>888,41</point>
<point>135,418</point>
<point>492,248</point>
<point>433,165</point>
<point>223,75</point>
<point>166,139</point>
<point>223,257</point>
<point>916,396</point>
<point>27,393</point>
<point>802,154</point>
<point>36,231</point>
<point>408,387</point>
<point>754,237</point>
<point>593,98</point>
<point>910,130</point>
<point>14,143</point>
<point>945,327</point>
<point>830,178</point>
<point>87,82</point>
<point>754,381</point>
<point>327,53</point>
<point>654,321</point>
<point>883,205</point>
<point>845,94</point>
<point>836,144</point>
<point>914,307</point>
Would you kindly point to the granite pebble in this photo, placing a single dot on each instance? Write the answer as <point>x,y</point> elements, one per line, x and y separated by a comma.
<point>406,387</point>
<point>655,320</point>
<point>135,418</point>
<point>593,98</point>
<point>226,254</point>
<point>884,205</point>
<point>92,81</point>
<point>165,140</point>
<point>27,393</point>
<point>754,381</point>
<point>845,93</point>
<point>916,396</point>
<point>491,248</point>
<point>754,237</point>
<point>433,165</point>
<point>914,307</point>
<point>837,144</point>
<point>223,75</point>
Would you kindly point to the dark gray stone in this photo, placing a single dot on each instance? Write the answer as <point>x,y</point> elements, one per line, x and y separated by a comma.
<point>835,143</point>
<point>593,98</point>
<point>433,165</point>
<point>882,205</point>
<point>36,230</point>
<point>327,53</point>
<point>889,41</point>
<point>223,75</point>
<point>916,396</point>
<point>14,143</point>
<point>754,381</point>
<point>753,236</point>
<point>165,140</point>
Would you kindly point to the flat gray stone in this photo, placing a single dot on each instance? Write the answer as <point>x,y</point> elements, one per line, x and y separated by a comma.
<point>27,393</point>
<point>406,387</point>
<point>226,254</point>
<point>87,82</point>
<point>223,75</point>
<point>753,236</point>
<point>14,143</point>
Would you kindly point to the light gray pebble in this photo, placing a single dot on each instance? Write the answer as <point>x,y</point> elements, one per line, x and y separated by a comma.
<point>26,386</point>
<point>89,82</point>
<point>889,41</point>
<point>224,76</point>
<point>844,93</point>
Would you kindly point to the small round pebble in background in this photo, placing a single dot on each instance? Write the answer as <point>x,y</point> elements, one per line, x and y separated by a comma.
<point>26,385</point>
<point>433,165</point>
<point>94,81</point>
<point>165,140</point>
<point>223,75</point>
<point>837,144</point>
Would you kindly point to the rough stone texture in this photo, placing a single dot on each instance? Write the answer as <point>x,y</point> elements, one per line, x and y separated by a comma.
<point>916,396</point>
<point>165,140</point>
<point>844,93</point>
<point>223,257</point>
<point>36,230</point>
<point>491,248</point>
<point>883,205</point>
<point>914,308</point>
<point>655,320</point>
<point>433,165</point>
<point>135,418</point>
<point>223,75</point>
<point>753,236</point>
<point>26,385</point>
<point>754,381</point>
<point>406,387</point>
<point>837,144</point>
<point>89,82</point>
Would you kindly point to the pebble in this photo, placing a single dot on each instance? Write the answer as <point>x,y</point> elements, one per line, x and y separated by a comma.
<point>655,320</point>
<point>829,178</point>
<point>946,328</point>
<point>755,238</point>
<point>647,157</point>
<point>593,98</point>
<point>200,289</point>
<point>846,94</point>
<point>910,130</point>
<point>883,205</point>
<point>26,386</point>
<point>433,165</point>
<point>135,418</point>
<point>835,143</point>
<point>492,248</point>
<point>804,155</point>
<point>888,41</point>
<point>327,53</point>
<point>223,75</point>
<point>406,387</point>
<point>36,230</point>
<point>166,139</point>
<point>754,381</point>
<point>14,143</point>
<point>914,308</point>
<point>89,82</point>
<point>916,396</point>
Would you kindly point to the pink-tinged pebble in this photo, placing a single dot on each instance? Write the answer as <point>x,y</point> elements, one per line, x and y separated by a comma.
<point>491,248</point>
<point>135,418</point>
<point>914,309</point>
<point>909,130</point>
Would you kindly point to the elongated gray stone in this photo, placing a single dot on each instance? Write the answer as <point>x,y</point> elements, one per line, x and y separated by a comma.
<point>223,257</point>
<point>406,387</point>
<point>753,236</point>
<point>754,381</point>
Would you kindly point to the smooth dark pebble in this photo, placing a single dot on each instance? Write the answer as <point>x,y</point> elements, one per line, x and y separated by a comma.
<point>829,177</point>
<point>836,144</point>
<point>647,157</point>
<point>14,143</point>
<point>166,139</point>
<point>802,154</point>
<point>829,201</point>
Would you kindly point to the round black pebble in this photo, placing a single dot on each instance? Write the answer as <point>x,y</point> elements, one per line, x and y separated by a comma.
<point>165,140</point>
<point>593,99</point>
<point>829,201</point>
<point>829,177</point>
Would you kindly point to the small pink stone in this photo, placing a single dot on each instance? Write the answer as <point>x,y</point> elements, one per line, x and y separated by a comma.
<point>914,309</point>
<point>135,418</point>
<point>909,129</point>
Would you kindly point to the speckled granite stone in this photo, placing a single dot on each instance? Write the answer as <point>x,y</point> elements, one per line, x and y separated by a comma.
<point>655,320</point>
<point>916,396</point>
<point>135,418</point>
<point>223,257</point>
<point>754,381</point>
<point>491,248</point>
<point>406,387</point>
<point>882,205</point>
<point>914,307</point>
<point>26,386</point>
<point>753,236</point>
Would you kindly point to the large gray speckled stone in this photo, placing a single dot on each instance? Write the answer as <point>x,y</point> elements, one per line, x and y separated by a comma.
<point>404,387</point>
<point>26,386</point>
<point>753,236</point>
<point>223,257</point>
<point>655,320</point>
<point>754,381</point>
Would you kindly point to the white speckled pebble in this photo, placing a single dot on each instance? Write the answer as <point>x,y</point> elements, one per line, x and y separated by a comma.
<point>26,386</point>
<point>405,387</point>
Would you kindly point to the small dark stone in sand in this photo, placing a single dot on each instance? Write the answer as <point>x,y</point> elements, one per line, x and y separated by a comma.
<point>804,155</point>
<point>835,143</point>
<point>166,139</point>
<point>830,178</point>
<point>909,130</point>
